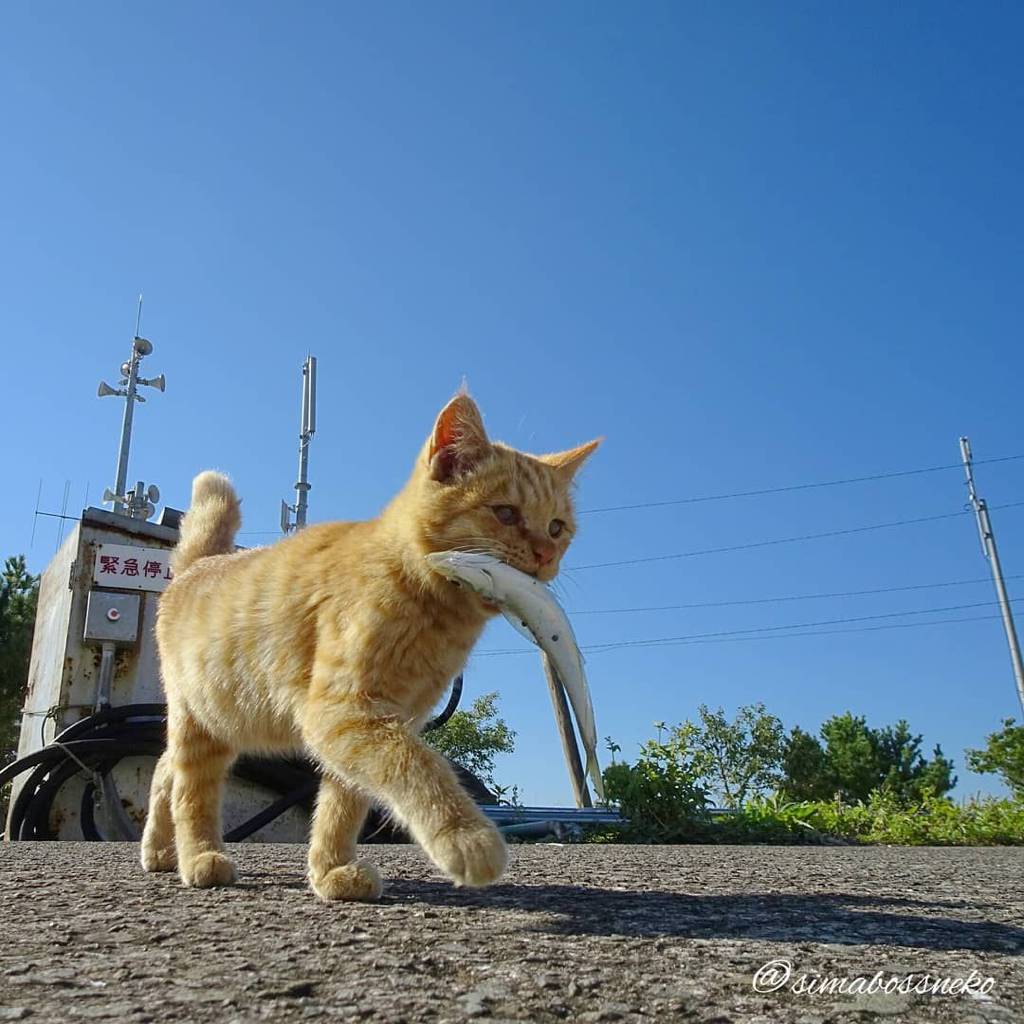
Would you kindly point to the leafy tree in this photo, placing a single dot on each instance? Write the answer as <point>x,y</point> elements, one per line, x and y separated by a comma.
<point>909,776</point>
<point>473,738</point>
<point>1003,755</point>
<point>741,757</point>
<point>805,768</point>
<point>857,760</point>
<point>851,753</point>
<point>19,593</point>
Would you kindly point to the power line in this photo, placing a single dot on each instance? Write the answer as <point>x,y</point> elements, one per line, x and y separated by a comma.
<point>759,492</point>
<point>793,487</point>
<point>832,632</point>
<point>769,632</point>
<point>788,597</point>
<point>783,540</point>
<point>670,640</point>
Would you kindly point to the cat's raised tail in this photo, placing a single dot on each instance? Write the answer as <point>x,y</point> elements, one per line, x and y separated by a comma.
<point>211,523</point>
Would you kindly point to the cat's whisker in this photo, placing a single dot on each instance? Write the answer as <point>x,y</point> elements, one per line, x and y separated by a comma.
<point>567,576</point>
<point>477,550</point>
<point>485,542</point>
<point>483,546</point>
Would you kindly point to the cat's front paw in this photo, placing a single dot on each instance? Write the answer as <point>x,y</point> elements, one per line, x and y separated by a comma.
<point>356,881</point>
<point>208,870</point>
<point>472,855</point>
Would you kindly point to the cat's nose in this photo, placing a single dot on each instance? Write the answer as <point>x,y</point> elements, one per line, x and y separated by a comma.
<point>544,551</point>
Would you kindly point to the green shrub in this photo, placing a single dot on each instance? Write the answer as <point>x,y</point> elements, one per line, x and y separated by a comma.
<point>935,821</point>
<point>882,819</point>
<point>768,820</point>
<point>660,794</point>
<point>663,795</point>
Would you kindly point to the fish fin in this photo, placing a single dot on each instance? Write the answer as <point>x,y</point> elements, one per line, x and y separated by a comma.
<point>594,771</point>
<point>517,623</point>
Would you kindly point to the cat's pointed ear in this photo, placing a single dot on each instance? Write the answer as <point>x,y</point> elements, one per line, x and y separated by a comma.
<point>459,440</point>
<point>567,463</point>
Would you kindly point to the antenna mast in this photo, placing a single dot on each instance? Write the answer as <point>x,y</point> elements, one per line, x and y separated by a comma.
<point>138,503</point>
<point>307,428</point>
<point>988,546</point>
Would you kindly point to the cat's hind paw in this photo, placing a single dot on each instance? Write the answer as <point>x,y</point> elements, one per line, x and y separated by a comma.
<point>208,870</point>
<point>356,881</point>
<point>157,859</point>
<point>473,855</point>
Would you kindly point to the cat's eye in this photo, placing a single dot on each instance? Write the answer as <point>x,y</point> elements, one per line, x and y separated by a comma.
<point>507,514</point>
<point>555,527</point>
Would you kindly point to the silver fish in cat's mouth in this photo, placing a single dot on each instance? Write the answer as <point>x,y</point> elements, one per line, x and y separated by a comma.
<point>532,609</point>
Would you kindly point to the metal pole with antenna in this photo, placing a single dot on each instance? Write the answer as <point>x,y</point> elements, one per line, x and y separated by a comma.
<point>130,381</point>
<point>988,546</point>
<point>307,428</point>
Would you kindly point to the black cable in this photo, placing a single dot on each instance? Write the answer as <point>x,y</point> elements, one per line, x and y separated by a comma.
<point>20,806</point>
<point>30,815</point>
<point>302,793</point>
<point>36,823</point>
<point>87,816</point>
<point>97,743</point>
<point>449,709</point>
<point>82,748</point>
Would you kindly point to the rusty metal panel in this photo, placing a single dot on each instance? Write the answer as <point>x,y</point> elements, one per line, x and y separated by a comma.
<point>49,650</point>
<point>146,687</point>
<point>65,669</point>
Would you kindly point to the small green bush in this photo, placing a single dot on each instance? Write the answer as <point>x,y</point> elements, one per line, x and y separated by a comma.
<point>660,794</point>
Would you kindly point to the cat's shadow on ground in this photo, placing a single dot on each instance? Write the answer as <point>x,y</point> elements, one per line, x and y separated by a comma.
<point>852,919</point>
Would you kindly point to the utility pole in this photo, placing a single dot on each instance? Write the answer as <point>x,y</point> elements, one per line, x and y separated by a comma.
<point>988,546</point>
<point>307,428</point>
<point>124,503</point>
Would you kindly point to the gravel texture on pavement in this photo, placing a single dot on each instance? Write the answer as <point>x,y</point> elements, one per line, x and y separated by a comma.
<point>571,933</point>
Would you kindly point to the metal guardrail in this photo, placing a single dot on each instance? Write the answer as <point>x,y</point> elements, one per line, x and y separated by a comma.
<point>561,822</point>
<point>554,822</point>
<point>501,814</point>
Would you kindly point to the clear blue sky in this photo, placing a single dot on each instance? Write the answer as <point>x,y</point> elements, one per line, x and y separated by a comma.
<point>752,244</point>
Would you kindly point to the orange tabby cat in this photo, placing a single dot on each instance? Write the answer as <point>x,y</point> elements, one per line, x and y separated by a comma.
<point>338,640</point>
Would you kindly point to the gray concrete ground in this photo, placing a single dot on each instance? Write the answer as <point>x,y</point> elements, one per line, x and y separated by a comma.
<point>572,933</point>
